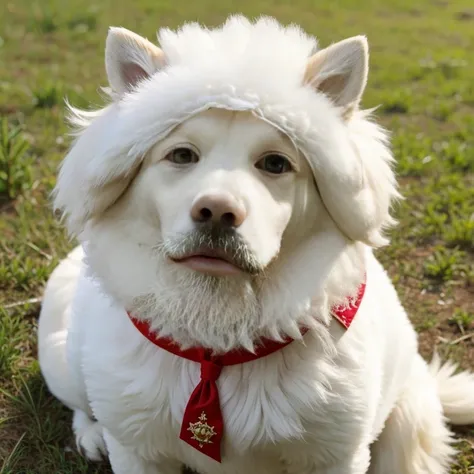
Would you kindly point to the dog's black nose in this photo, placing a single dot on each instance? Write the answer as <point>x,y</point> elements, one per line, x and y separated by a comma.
<point>220,208</point>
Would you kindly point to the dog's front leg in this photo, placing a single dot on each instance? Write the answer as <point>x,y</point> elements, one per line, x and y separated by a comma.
<point>354,463</point>
<point>126,461</point>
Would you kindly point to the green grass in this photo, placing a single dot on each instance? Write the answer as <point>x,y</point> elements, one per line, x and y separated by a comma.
<point>47,96</point>
<point>15,163</point>
<point>421,76</point>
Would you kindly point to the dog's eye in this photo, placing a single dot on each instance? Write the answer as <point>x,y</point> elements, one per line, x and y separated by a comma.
<point>274,164</point>
<point>182,156</point>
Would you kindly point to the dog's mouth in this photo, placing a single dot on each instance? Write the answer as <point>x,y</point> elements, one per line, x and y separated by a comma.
<point>213,251</point>
<point>213,262</point>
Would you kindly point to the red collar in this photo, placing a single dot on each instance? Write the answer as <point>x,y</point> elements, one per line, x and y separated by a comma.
<point>203,426</point>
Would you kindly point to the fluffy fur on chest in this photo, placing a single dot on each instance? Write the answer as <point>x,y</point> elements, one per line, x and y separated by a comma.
<point>297,392</point>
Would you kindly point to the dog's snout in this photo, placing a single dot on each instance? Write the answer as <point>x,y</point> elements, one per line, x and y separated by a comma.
<point>218,207</point>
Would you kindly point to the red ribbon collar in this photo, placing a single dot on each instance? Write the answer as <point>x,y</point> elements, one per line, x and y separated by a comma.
<point>203,426</point>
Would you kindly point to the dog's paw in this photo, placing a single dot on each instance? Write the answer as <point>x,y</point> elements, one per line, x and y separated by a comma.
<point>89,437</point>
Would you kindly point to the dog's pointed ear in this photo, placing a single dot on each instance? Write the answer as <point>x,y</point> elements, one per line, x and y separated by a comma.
<point>129,59</point>
<point>340,71</point>
<point>359,189</point>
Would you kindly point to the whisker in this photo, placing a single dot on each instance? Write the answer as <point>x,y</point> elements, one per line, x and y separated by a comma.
<point>212,237</point>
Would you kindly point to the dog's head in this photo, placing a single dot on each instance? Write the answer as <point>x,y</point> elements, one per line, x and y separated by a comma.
<point>220,158</point>
<point>224,185</point>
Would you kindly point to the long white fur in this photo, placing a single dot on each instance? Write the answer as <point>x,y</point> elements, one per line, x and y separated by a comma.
<point>333,402</point>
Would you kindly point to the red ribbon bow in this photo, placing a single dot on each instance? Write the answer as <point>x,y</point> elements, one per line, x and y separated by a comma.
<point>203,424</point>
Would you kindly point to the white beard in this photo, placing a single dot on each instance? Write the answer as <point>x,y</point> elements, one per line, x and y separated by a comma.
<point>195,307</point>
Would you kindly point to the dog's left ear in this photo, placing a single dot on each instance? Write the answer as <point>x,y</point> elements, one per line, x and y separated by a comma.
<point>357,190</point>
<point>129,59</point>
<point>340,71</point>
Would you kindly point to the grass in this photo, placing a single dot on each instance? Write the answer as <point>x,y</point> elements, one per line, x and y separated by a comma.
<point>15,164</point>
<point>422,70</point>
<point>444,264</point>
<point>47,96</point>
<point>464,320</point>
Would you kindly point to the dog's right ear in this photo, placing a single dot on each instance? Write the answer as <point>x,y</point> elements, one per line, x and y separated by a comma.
<point>340,72</point>
<point>129,59</point>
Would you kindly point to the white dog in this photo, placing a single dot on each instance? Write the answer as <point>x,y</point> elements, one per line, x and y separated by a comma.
<point>229,313</point>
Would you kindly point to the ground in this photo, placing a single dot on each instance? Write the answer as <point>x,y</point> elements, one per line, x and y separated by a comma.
<point>422,72</point>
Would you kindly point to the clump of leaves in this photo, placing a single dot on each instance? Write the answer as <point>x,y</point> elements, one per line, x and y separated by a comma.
<point>15,161</point>
<point>461,233</point>
<point>444,264</point>
<point>48,96</point>
<point>458,154</point>
<point>463,320</point>
<point>44,22</point>
<point>397,102</point>
<point>442,111</point>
